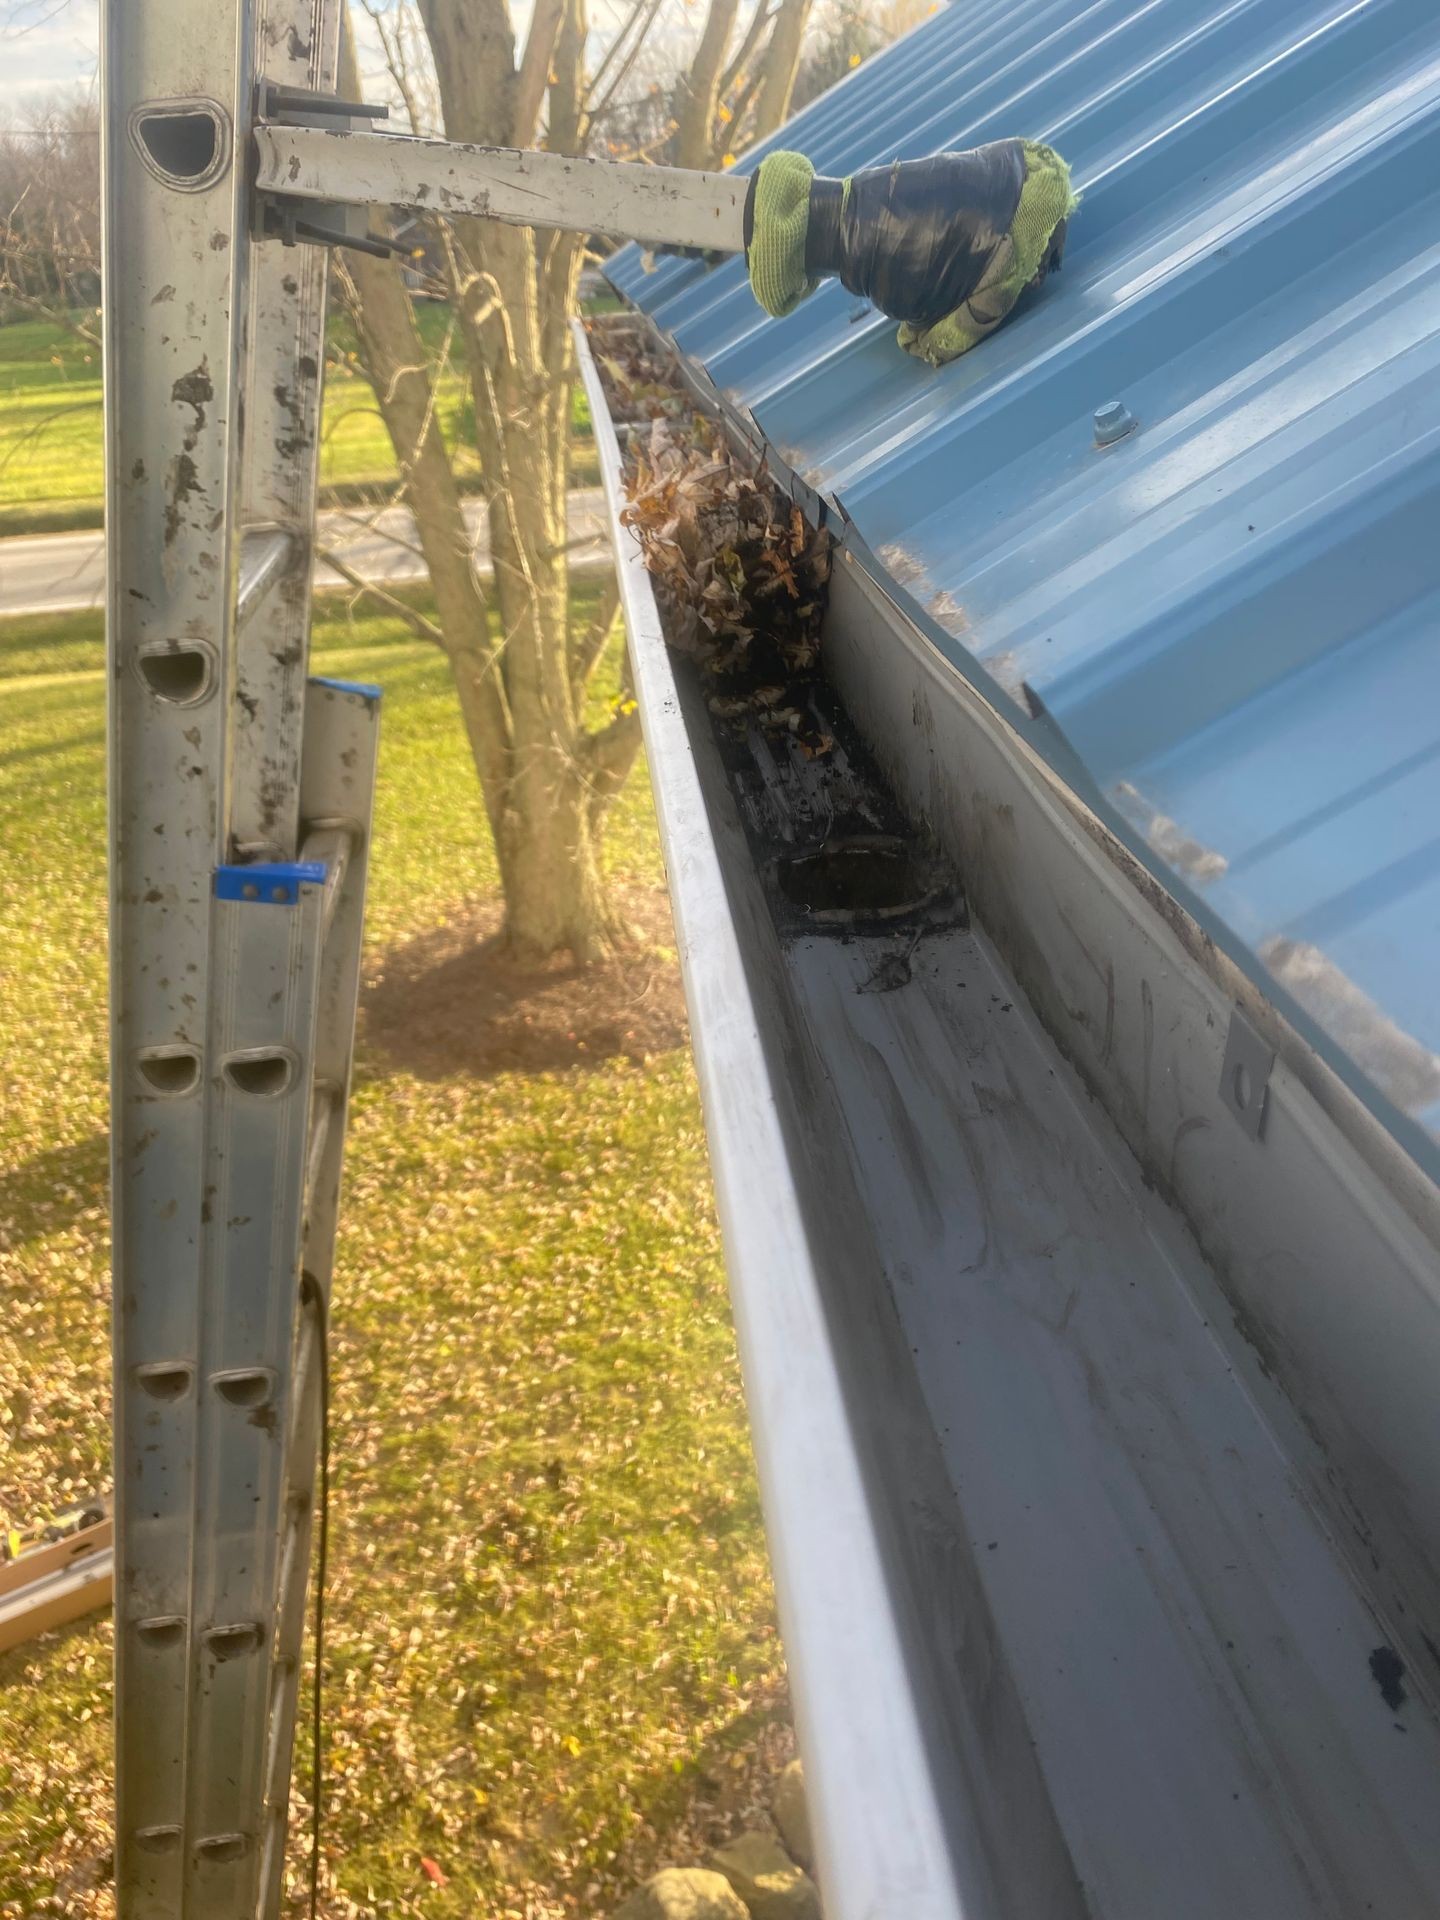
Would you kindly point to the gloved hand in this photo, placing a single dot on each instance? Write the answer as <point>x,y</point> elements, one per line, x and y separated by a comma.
<point>946,246</point>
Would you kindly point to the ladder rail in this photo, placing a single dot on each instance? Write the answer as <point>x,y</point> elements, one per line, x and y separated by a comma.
<point>240,800</point>
<point>297,47</point>
<point>336,801</point>
<point>172,360</point>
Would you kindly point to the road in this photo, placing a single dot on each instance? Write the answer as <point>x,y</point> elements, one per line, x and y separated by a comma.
<point>65,572</point>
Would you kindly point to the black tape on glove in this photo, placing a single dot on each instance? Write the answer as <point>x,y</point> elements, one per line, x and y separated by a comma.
<point>916,238</point>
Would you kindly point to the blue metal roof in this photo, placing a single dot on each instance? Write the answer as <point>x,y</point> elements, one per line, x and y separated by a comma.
<point>1233,614</point>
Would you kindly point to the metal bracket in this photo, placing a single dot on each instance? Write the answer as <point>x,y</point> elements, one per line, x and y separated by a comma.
<point>293,224</point>
<point>303,107</point>
<point>1245,1075</point>
<point>330,223</point>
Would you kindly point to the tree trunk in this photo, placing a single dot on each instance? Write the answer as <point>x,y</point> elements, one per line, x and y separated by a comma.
<point>546,780</point>
<point>395,358</point>
<point>555,894</point>
<point>697,95</point>
<point>782,59</point>
<point>514,294</point>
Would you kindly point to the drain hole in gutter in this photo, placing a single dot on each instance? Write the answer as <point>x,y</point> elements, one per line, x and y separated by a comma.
<point>864,876</point>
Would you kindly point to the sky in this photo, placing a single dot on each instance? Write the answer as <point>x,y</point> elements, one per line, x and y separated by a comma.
<point>50,44</point>
<point>44,45</point>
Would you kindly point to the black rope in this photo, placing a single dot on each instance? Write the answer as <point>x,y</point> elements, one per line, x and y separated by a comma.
<point>316,1299</point>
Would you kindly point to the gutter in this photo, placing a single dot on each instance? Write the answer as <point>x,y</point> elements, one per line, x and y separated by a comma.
<point>1089,1332</point>
<point>880,1838</point>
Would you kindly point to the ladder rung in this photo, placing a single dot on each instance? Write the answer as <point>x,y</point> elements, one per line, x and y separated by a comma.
<point>265,553</point>
<point>324,1105</point>
<point>331,841</point>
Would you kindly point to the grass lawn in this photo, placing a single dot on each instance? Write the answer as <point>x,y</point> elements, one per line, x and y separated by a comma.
<point>550,1633</point>
<point>50,422</point>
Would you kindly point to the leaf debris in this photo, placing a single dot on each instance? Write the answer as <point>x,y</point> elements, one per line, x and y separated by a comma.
<point>741,577</point>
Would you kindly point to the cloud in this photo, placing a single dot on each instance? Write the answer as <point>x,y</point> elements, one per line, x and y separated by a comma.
<point>45,47</point>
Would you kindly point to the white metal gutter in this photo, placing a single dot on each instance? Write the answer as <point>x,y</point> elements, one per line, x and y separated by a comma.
<point>886,1853</point>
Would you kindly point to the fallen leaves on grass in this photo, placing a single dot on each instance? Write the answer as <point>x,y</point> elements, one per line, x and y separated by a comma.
<point>454,1001</point>
<point>550,1626</point>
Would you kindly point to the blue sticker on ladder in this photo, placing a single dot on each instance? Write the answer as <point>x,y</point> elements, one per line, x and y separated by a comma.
<point>271,883</point>
<point>365,688</point>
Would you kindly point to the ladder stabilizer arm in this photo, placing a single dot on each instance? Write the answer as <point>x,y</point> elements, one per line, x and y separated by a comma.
<point>659,206</point>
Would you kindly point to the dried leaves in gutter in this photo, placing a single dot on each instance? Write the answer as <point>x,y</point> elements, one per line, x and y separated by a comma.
<point>740,576</point>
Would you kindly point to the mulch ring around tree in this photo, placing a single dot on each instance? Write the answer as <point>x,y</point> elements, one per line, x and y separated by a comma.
<point>454,1002</point>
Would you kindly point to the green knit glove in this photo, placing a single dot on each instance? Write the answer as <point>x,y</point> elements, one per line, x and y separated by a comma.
<point>779,218</point>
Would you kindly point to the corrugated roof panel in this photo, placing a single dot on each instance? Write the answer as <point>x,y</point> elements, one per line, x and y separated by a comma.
<point>1232,614</point>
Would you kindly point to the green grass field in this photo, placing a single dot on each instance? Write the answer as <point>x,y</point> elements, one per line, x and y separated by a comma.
<point>50,422</point>
<point>550,1623</point>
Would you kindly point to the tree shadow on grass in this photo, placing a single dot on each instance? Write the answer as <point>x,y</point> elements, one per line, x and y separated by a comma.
<point>52,749</point>
<point>51,1190</point>
<point>454,1003</point>
<point>724,1789</point>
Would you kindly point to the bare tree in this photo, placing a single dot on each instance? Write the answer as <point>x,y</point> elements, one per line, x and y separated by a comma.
<point>521,676</point>
<point>777,73</point>
<point>50,214</point>
<point>697,93</point>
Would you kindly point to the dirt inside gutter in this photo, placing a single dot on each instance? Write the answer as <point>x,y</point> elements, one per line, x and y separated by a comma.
<point>741,579</point>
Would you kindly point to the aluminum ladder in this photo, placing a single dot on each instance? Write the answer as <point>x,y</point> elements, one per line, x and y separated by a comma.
<point>240,802</point>
<point>240,799</point>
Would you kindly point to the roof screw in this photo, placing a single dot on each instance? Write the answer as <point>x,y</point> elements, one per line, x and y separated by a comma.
<point>1112,422</point>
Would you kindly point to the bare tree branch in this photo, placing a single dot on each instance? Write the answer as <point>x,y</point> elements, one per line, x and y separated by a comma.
<point>759,21</point>
<point>697,93</point>
<point>736,131</point>
<point>389,25</point>
<point>606,758</point>
<point>534,75</point>
<point>49,238</point>
<point>623,71</point>
<point>782,58</point>
<point>612,52</point>
<point>589,647</point>
<point>415,620</point>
